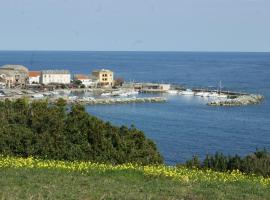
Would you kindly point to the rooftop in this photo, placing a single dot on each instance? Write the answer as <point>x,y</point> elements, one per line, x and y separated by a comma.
<point>81,77</point>
<point>103,70</point>
<point>34,73</point>
<point>55,71</point>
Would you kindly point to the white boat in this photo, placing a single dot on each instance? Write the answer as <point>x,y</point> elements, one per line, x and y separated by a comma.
<point>132,92</point>
<point>37,96</point>
<point>187,92</point>
<point>172,91</point>
<point>88,98</point>
<point>105,94</point>
<point>206,94</point>
<point>127,93</point>
<point>124,94</point>
<point>213,94</point>
<point>72,97</point>
<point>2,95</point>
<point>55,93</point>
<point>222,96</point>
<point>199,94</point>
<point>47,94</point>
<point>116,93</point>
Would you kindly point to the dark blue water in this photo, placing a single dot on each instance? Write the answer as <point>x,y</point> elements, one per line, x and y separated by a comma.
<point>185,125</point>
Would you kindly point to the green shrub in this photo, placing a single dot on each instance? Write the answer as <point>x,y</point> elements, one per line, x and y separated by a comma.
<point>254,163</point>
<point>69,133</point>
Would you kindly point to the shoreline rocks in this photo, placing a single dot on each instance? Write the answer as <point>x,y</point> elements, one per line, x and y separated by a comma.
<point>242,100</point>
<point>115,101</point>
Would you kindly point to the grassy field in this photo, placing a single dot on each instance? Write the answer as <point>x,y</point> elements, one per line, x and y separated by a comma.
<point>37,179</point>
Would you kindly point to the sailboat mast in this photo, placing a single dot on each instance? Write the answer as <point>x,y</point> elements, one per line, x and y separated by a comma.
<point>220,87</point>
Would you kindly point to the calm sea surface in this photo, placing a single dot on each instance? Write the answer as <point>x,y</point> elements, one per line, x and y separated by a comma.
<point>185,125</point>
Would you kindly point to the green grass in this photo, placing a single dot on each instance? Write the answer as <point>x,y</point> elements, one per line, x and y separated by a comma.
<point>34,183</point>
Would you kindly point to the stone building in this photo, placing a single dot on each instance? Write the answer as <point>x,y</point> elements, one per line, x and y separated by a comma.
<point>55,76</point>
<point>104,77</point>
<point>13,76</point>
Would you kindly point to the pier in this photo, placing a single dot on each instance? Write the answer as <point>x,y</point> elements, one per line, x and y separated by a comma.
<point>114,100</point>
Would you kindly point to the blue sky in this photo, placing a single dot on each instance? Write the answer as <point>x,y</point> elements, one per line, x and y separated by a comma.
<point>135,25</point>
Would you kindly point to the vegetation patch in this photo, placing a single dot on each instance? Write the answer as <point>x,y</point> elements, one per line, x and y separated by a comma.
<point>31,178</point>
<point>178,173</point>
<point>57,131</point>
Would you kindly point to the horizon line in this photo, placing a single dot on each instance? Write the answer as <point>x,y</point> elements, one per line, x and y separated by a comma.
<point>157,51</point>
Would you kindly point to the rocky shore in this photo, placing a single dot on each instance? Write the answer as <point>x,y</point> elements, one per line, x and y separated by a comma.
<point>242,100</point>
<point>115,100</point>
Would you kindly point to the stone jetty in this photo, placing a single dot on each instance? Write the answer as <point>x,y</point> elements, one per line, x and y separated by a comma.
<point>242,100</point>
<point>93,101</point>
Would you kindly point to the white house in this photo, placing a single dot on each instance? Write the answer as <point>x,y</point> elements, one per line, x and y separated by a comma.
<point>34,77</point>
<point>86,80</point>
<point>55,76</point>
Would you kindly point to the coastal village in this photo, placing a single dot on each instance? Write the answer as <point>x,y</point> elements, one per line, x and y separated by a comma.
<point>101,87</point>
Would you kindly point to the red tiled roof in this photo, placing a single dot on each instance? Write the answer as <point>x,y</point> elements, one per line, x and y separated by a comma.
<point>81,77</point>
<point>34,73</point>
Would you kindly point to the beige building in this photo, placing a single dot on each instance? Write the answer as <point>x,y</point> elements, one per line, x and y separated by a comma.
<point>13,76</point>
<point>105,77</point>
<point>55,77</point>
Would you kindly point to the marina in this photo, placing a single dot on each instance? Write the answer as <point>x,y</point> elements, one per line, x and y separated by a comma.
<point>92,96</point>
<point>17,81</point>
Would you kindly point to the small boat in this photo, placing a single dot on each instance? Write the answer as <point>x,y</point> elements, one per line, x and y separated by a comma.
<point>213,94</point>
<point>199,94</point>
<point>2,95</point>
<point>116,93</point>
<point>88,98</point>
<point>105,94</point>
<point>133,92</point>
<point>222,96</point>
<point>124,94</point>
<point>206,94</point>
<point>55,93</point>
<point>187,92</point>
<point>37,96</point>
<point>73,98</point>
<point>172,91</point>
<point>47,94</point>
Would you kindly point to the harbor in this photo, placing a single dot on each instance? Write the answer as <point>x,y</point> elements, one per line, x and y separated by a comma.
<point>124,96</point>
<point>101,87</point>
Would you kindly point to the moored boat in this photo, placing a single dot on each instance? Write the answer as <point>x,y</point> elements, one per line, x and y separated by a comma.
<point>105,94</point>
<point>187,92</point>
<point>172,91</point>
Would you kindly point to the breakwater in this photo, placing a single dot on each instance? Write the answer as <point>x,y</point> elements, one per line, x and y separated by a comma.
<point>92,101</point>
<point>242,100</point>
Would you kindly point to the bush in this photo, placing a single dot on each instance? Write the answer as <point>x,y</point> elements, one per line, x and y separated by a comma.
<point>58,132</point>
<point>254,163</point>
